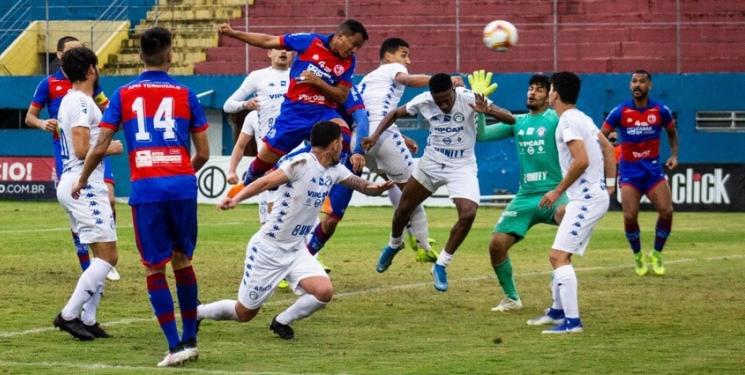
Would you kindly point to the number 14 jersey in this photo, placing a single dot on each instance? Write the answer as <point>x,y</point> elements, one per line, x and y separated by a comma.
<point>157,114</point>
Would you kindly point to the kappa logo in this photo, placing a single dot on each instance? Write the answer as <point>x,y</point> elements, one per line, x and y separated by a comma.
<point>315,57</point>
<point>338,69</point>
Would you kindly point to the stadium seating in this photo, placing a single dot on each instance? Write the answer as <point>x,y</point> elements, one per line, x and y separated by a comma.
<point>593,36</point>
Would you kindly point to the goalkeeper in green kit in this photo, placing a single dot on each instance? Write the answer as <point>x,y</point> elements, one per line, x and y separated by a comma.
<point>539,170</point>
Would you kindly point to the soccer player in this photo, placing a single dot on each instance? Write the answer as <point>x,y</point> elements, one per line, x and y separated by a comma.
<point>381,91</point>
<point>91,214</point>
<point>638,124</point>
<point>540,173</point>
<point>449,160</point>
<point>320,78</point>
<point>49,93</point>
<point>158,114</point>
<point>278,250</point>
<point>584,154</point>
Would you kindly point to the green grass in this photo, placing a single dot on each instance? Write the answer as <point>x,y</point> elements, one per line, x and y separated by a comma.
<point>692,320</point>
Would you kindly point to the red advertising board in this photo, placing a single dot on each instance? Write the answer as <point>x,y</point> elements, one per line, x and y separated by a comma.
<point>27,178</point>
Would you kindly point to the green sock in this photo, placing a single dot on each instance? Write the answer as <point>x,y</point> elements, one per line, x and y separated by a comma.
<point>504,274</point>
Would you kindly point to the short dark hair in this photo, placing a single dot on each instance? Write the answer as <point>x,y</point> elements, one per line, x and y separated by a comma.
<point>62,41</point>
<point>440,82</point>
<point>642,71</point>
<point>567,85</point>
<point>323,133</point>
<point>154,46</point>
<point>540,80</point>
<point>75,63</point>
<point>391,45</point>
<point>351,27</point>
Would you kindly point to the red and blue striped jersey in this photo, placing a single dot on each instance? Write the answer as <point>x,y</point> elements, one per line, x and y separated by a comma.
<point>157,114</point>
<point>639,129</point>
<point>314,54</point>
<point>50,91</point>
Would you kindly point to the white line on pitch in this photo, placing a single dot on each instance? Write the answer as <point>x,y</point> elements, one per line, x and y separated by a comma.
<point>388,289</point>
<point>103,366</point>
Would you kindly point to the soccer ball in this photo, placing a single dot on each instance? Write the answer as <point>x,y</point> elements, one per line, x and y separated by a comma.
<point>500,35</point>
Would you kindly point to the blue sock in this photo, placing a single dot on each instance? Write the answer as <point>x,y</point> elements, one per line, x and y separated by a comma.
<point>82,252</point>
<point>318,240</point>
<point>160,298</point>
<point>662,231</point>
<point>186,289</point>
<point>634,236</point>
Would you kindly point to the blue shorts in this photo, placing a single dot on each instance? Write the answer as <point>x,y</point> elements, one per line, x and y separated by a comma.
<point>337,201</point>
<point>164,227</point>
<point>643,175</point>
<point>108,171</point>
<point>294,123</point>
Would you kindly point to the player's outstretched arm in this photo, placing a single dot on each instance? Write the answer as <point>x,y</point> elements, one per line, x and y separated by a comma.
<point>482,106</point>
<point>366,187</point>
<point>491,132</point>
<point>273,179</point>
<point>260,40</point>
<point>421,80</point>
<point>386,123</point>
<point>202,146</point>
<point>92,159</point>
<point>32,120</point>
<point>609,162</point>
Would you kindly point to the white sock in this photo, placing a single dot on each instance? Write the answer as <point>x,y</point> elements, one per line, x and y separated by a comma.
<point>566,279</point>
<point>306,305</point>
<point>556,305</point>
<point>444,258</point>
<point>419,227</point>
<point>88,316</point>
<point>220,310</point>
<point>395,242</point>
<point>88,284</point>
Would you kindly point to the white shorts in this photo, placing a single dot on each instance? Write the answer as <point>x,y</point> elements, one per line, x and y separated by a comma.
<point>579,220</point>
<point>390,156</point>
<point>266,266</point>
<point>461,181</point>
<point>90,215</point>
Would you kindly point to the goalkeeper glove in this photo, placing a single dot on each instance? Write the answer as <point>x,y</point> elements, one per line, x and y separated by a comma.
<point>480,82</point>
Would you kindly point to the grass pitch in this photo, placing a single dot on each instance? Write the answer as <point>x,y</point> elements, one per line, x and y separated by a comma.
<point>692,320</point>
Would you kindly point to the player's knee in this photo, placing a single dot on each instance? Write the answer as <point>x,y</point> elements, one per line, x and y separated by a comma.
<point>630,217</point>
<point>665,213</point>
<point>324,293</point>
<point>180,260</point>
<point>467,215</point>
<point>243,313</point>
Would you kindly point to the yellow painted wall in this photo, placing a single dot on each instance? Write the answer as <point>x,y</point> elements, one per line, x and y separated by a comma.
<point>21,58</point>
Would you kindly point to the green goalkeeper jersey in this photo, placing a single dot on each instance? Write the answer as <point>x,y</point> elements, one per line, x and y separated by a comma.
<point>536,148</point>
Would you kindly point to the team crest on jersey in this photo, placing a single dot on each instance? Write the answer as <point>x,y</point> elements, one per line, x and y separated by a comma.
<point>541,131</point>
<point>458,117</point>
<point>651,118</point>
<point>338,69</point>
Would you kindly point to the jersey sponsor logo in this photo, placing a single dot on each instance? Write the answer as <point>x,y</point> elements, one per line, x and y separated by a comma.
<point>530,131</point>
<point>453,154</point>
<point>642,155</point>
<point>448,129</point>
<point>275,96</point>
<point>535,176</point>
<point>640,129</point>
<point>148,158</point>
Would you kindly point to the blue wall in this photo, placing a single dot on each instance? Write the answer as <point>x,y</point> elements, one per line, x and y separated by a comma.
<point>684,94</point>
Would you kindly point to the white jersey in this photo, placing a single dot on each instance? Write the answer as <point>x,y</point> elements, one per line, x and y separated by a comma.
<point>381,93</point>
<point>252,128</point>
<point>298,202</point>
<point>575,125</point>
<point>270,86</point>
<point>78,110</point>
<point>452,136</point>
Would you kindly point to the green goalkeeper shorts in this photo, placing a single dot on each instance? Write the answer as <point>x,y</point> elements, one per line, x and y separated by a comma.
<point>524,212</point>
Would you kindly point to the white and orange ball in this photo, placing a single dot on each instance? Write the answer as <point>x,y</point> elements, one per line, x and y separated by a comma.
<point>500,35</point>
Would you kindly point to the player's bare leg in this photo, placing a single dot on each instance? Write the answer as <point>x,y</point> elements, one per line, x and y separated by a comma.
<point>661,198</point>
<point>630,198</point>
<point>413,195</point>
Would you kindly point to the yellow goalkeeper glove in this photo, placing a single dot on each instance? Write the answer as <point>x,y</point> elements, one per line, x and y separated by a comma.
<point>480,82</point>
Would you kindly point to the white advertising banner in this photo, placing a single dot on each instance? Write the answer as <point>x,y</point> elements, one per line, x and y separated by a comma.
<point>213,185</point>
